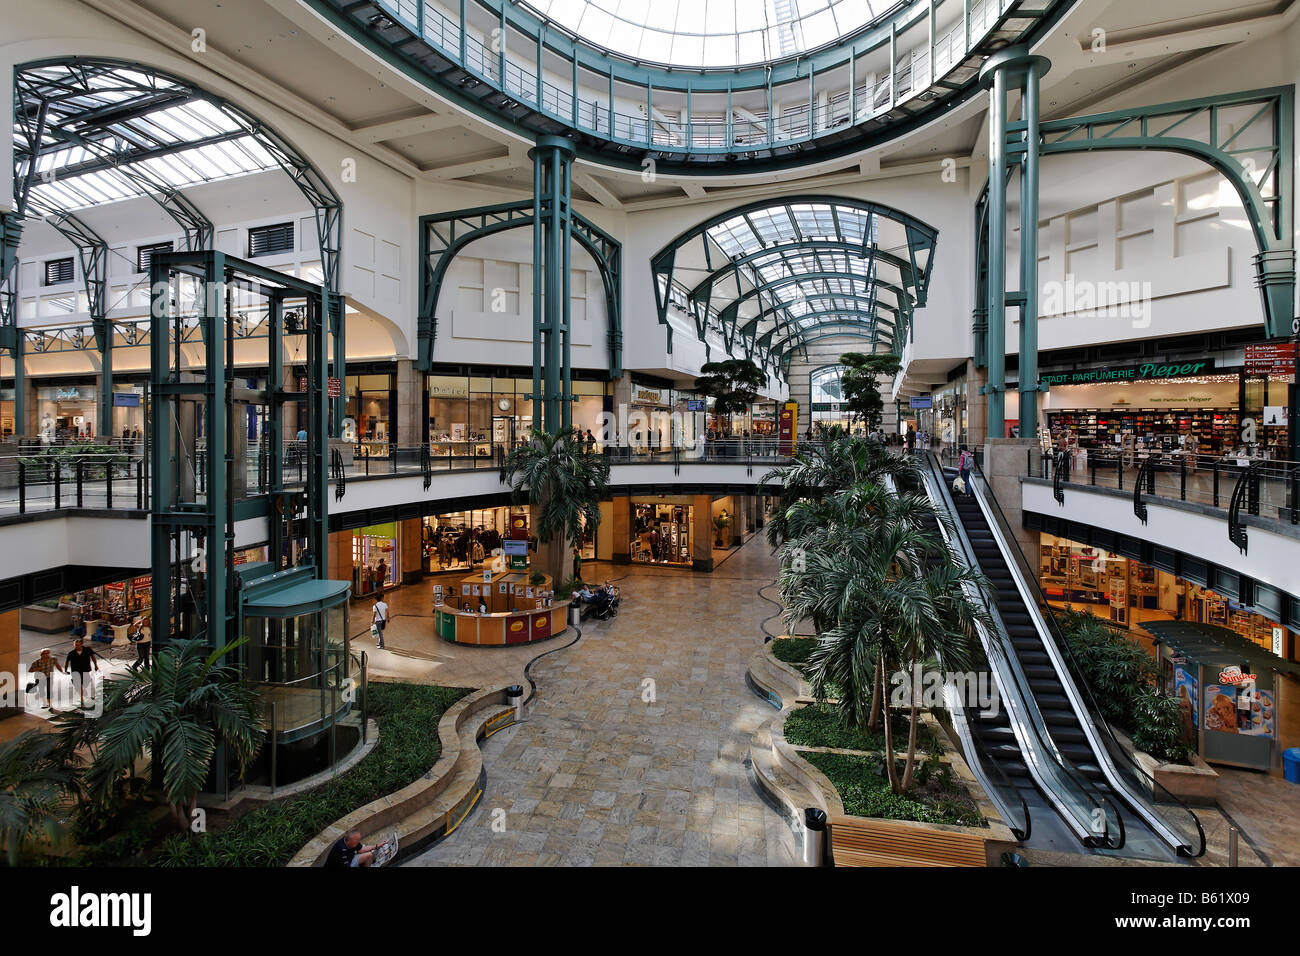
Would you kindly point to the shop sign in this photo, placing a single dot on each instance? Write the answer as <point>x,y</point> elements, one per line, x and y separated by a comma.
<point>334,386</point>
<point>641,395</point>
<point>71,394</point>
<point>1279,642</point>
<point>1128,373</point>
<point>826,406</point>
<point>1233,675</point>
<point>1276,358</point>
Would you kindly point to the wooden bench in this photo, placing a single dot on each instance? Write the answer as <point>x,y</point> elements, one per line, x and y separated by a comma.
<point>859,842</point>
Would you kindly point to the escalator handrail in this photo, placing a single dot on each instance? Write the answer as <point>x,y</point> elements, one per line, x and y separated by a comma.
<point>1024,716</point>
<point>1098,730</point>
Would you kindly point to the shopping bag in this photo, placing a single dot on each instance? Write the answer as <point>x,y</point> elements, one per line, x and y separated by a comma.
<point>374,630</point>
<point>958,485</point>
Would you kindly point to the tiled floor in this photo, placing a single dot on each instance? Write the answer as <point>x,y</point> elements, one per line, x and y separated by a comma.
<point>603,772</point>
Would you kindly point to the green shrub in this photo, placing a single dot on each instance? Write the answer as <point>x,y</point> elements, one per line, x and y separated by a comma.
<point>794,651</point>
<point>820,725</point>
<point>1123,680</point>
<point>865,792</point>
<point>1158,728</point>
<point>271,834</point>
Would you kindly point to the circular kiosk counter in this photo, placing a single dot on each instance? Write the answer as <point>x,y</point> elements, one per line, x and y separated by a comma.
<point>517,613</point>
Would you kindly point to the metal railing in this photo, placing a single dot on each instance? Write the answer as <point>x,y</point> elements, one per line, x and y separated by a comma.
<point>1271,486</point>
<point>60,478</point>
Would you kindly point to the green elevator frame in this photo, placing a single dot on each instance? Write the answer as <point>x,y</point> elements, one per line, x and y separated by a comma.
<point>214,518</point>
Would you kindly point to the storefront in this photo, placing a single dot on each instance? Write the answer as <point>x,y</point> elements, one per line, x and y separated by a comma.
<point>468,415</point>
<point>129,421</point>
<point>1168,409</point>
<point>67,411</point>
<point>464,539</point>
<point>661,531</point>
<point>374,559</point>
<point>107,611</point>
<point>947,417</point>
<point>370,400</point>
<point>1131,594</point>
<point>8,426</point>
<point>1238,701</point>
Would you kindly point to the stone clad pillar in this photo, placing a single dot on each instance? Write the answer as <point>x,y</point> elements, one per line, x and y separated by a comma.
<point>339,559</point>
<point>411,545</point>
<point>702,533</point>
<point>9,658</point>
<point>1005,463</point>
<point>621,516</point>
<point>409,414</point>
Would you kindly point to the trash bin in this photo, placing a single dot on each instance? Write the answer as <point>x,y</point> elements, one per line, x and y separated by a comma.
<point>515,698</point>
<point>814,837</point>
<point>575,613</point>
<point>1291,764</point>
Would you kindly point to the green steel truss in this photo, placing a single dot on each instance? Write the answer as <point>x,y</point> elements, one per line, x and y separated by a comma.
<point>120,128</point>
<point>1248,137</point>
<point>767,275</point>
<point>486,56</point>
<point>444,235</point>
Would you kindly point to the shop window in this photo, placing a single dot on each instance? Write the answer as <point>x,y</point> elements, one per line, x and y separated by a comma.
<point>144,255</point>
<point>58,271</point>
<point>268,240</point>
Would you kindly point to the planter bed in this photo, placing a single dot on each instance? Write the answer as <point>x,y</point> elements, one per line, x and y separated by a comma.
<point>947,822</point>
<point>818,726</point>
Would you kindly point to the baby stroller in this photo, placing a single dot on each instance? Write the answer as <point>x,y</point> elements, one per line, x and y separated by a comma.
<point>603,603</point>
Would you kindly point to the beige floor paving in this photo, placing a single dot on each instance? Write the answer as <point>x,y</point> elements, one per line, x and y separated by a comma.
<point>604,772</point>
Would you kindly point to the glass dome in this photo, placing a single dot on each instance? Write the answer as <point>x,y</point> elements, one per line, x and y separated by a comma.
<point>710,33</point>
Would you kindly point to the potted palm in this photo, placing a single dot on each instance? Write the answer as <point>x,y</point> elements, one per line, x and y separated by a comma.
<point>721,522</point>
<point>565,480</point>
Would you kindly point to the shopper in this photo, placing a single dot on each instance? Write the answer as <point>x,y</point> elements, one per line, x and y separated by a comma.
<point>965,465</point>
<point>44,667</point>
<point>911,440</point>
<point>81,660</point>
<point>379,621</point>
<point>381,574</point>
<point>143,641</point>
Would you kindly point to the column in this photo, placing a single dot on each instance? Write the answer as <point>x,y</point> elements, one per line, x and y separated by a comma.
<point>1012,65</point>
<point>410,412</point>
<point>552,161</point>
<point>621,516</point>
<point>339,556</point>
<point>411,550</point>
<point>9,658</point>
<point>702,533</point>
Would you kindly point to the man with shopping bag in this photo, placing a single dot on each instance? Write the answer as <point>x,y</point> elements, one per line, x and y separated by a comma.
<point>379,621</point>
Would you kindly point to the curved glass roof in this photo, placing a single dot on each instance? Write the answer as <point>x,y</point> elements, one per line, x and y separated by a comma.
<point>772,275</point>
<point>710,33</point>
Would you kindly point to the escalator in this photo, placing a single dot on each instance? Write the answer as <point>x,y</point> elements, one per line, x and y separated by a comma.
<point>1007,745</point>
<point>1126,820</point>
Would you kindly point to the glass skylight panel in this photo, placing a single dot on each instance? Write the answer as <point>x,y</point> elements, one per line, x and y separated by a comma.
<point>708,32</point>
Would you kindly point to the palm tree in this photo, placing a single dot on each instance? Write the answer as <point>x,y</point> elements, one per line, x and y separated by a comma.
<point>867,567</point>
<point>566,480</point>
<point>38,784</point>
<point>178,709</point>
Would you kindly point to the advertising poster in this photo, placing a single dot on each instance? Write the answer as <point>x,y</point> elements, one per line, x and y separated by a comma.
<point>1188,694</point>
<point>786,427</point>
<point>1236,706</point>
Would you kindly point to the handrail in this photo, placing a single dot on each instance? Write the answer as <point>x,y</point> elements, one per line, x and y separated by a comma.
<point>1244,493</point>
<point>1060,467</point>
<point>1145,480</point>
<point>1122,771</point>
<point>1076,801</point>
